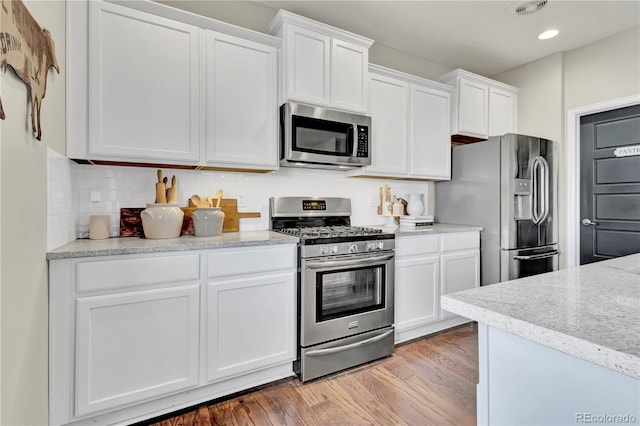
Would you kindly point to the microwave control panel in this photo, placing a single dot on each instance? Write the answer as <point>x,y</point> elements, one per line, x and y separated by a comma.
<point>363,142</point>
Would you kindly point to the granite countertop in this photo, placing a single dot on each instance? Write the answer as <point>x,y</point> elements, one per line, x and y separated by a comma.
<point>591,312</point>
<point>437,228</point>
<point>137,245</point>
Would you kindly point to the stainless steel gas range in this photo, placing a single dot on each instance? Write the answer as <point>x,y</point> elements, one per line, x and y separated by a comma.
<point>345,285</point>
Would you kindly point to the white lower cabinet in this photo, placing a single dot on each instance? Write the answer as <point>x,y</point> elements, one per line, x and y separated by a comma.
<point>460,271</point>
<point>135,346</point>
<point>135,336</point>
<point>428,266</point>
<point>250,323</point>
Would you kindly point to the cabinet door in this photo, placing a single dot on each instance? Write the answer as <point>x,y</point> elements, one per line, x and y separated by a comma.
<point>135,346</point>
<point>349,76</point>
<point>430,146</point>
<point>460,271</point>
<point>307,65</point>
<point>389,109</point>
<point>250,323</point>
<point>502,112</point>
<point>242,109</point>
<point>473,109</point>
<point>144,86</point>
<point>416,291</point>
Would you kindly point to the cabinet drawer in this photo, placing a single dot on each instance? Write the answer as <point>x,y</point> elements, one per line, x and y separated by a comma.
<point>136,271</point>
<point>407,246</point>
<point>460,241</point>
<point>249,260</point>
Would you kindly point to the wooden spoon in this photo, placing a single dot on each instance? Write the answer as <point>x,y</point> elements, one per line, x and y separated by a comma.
<point>219,196</point>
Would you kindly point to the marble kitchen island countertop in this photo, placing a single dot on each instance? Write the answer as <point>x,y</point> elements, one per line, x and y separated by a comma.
<point>591,312</point>
<point>137,245</point>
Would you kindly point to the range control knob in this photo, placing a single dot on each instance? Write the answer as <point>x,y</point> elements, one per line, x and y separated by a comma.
<point>334,249</point>
<point>371,246</point>
<point>353,248</point>
<point>380,245</point>
<point>325,250</point>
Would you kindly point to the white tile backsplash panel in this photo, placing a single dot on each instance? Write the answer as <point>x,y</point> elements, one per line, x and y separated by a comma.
<point>60,212</point>
<point>135,187</point>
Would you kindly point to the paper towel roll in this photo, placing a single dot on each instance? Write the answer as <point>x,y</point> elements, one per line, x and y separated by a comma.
<point>99,226</point>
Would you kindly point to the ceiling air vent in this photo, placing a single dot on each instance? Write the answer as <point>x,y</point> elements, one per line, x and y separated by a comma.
<point>527,7</point>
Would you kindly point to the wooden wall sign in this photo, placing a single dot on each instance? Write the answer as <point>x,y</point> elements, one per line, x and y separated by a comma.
<point>30,51</point>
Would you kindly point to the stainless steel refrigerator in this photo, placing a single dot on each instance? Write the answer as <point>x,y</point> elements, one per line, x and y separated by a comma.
<point>508,185</point>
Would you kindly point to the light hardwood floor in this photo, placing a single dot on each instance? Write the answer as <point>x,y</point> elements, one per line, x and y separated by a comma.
<point>430,381</point>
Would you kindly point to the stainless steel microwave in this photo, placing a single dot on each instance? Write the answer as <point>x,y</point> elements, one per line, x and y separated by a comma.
<point>318,137</point>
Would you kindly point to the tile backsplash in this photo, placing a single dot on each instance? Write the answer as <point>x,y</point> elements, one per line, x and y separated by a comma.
<point>105,189</point>
<point>60,213</point>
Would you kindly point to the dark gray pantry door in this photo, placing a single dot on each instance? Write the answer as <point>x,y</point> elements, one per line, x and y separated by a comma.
<point>610,184</point>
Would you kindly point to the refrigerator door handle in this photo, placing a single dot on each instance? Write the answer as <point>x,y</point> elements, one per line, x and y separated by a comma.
<point>540,193</point>
<point>535,186</point>
<point>545,189</point>
<point>538,256</point>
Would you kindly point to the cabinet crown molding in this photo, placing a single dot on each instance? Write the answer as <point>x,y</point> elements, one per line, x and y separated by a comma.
<point>452,76</point>
<point>200,21</point>
<point>409,78</point>
<point>285,17</point>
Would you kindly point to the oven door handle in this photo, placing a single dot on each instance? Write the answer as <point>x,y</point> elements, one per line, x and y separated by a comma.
<point>320,352</point>
<point>537,256</point>
<point>362,261</point>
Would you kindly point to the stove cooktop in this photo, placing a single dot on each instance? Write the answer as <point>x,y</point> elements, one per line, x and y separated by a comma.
<point>333,234</point>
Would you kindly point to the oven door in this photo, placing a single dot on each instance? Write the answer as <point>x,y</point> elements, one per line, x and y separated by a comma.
<point>345,295</point>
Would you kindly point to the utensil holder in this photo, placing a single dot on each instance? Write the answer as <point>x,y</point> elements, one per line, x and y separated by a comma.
<point>207,222</point>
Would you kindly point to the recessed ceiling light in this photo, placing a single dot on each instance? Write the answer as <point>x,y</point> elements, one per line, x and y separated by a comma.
<point>548,34</point>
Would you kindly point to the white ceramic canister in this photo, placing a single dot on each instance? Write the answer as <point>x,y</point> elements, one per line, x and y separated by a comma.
<point>161,220</point>
<point>208,221</point>
<point>415,206</point>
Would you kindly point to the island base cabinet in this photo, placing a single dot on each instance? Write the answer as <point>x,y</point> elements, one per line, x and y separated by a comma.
<point>135,346</point>
<point>251,324</point>
<point>523,382</point>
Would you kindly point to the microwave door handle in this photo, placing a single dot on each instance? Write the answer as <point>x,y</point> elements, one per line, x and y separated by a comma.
<point>353,139</point>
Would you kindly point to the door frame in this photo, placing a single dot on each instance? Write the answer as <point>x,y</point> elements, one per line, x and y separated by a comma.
<point>572,163</point>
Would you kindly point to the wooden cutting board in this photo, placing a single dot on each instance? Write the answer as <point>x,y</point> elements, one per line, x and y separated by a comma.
<point>231,216</point>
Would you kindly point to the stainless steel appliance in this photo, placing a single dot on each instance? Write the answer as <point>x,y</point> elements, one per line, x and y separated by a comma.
<point>508,185</point>
<point>318,137</point>
<point>345,285</point>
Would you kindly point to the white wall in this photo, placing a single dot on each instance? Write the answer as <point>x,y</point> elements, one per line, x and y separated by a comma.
<point>23,322</point>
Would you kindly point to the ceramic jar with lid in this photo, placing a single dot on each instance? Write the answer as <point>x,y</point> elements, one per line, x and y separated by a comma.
<point>207,221</point>
<point>162,220</point>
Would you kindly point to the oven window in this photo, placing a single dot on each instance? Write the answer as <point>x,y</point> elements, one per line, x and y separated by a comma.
<point>349,291</point>
<point>322,136</point>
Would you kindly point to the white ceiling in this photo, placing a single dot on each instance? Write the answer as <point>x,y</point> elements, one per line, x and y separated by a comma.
<point>481,36</point>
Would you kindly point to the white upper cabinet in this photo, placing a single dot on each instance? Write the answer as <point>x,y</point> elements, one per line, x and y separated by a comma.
<point>144,91</point>
<point>430,148</point>
<point>242,112</point>
<point>321,64</point>
<point>481,107</point>
<point>148,83</point>
<point>410,127</point>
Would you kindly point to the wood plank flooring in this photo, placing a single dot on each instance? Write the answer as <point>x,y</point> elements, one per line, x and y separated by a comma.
<point>428,381</point>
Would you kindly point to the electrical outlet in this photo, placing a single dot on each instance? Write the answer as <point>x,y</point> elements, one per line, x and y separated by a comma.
<point>95,197</point>
<point>242,200</point>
